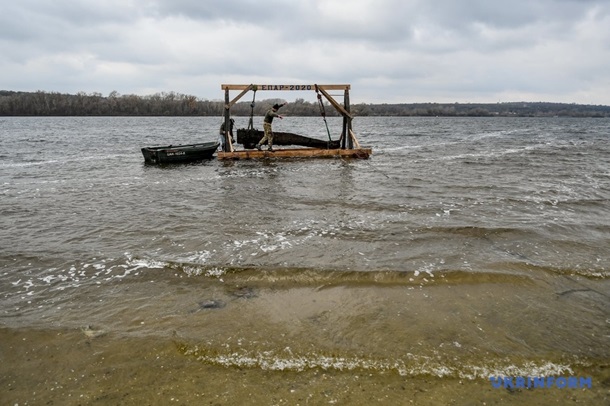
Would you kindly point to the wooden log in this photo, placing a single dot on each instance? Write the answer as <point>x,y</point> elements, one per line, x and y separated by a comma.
<point>249,138</point>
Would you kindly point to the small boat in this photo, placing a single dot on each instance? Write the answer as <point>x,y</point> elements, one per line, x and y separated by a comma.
<point>179,153</point>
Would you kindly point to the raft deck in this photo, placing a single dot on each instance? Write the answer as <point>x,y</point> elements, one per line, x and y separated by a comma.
<point>362,153</point>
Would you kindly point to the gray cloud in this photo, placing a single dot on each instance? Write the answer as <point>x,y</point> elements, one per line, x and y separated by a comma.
<point>389,50</point>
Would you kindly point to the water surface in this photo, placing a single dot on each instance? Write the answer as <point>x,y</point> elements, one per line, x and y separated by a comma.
<point>464,247</point>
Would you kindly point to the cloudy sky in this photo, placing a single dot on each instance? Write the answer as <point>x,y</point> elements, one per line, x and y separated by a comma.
<point>388,50</point>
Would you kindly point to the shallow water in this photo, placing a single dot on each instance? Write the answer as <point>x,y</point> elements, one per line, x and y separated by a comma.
<point>463,248</point>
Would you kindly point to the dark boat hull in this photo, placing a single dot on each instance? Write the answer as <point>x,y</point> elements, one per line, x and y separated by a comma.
<point>249,138</point>
<point>179,153</point>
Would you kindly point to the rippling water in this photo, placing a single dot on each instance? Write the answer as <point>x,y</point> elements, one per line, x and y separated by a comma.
<point>463,247</point>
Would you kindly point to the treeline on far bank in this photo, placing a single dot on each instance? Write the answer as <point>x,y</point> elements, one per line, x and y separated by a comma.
<point>175,104</point>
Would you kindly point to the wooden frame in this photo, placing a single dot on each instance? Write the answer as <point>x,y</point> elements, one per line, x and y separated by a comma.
<point>348,138</point>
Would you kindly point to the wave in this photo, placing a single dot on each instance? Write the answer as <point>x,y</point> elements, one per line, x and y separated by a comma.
<point>329,277</point>
<point>48,162</point>
<point>411,365</point>
<point>32,276</point>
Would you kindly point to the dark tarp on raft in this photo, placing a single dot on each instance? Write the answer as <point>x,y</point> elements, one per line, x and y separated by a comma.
<point>248,138</point>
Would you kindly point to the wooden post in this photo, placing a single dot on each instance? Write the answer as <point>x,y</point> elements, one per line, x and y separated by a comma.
<point>227,127</point>
<point>347,120</point>
<point>344,130</point>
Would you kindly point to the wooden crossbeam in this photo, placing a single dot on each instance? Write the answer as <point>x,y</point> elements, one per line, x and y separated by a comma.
<point>284,87</point>
<point>353,136</point>
<point>239,96</point>
<point>334,103</point>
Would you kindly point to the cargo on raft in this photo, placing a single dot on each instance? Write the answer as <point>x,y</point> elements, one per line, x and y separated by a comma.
<point>345,146</point>
<point>249,137</point>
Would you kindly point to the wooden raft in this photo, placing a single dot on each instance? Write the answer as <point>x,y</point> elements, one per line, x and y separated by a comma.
<point>362,153</point>
<point>348,144</point>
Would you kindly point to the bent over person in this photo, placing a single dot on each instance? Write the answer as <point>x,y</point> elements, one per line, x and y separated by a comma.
<point>271,114</point>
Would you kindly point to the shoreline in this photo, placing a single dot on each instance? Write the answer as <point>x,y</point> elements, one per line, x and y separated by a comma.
<point>207,340</point>
<point>72,368</point>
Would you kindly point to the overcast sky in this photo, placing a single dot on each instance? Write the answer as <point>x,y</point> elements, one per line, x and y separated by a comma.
<point>394,51</point>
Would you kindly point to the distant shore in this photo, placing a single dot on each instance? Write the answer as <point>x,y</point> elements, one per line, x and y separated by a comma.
<point>41,103</point>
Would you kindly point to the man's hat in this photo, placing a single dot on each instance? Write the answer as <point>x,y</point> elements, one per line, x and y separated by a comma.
<point>277,106</point>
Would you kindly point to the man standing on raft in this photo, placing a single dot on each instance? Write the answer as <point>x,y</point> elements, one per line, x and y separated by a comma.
<point>271,114</point>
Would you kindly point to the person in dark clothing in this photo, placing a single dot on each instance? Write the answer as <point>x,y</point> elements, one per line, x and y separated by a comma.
<point>271,114</point>
<point>222,132</point>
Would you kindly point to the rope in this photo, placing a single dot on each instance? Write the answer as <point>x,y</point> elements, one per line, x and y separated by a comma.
<point>251,122</point>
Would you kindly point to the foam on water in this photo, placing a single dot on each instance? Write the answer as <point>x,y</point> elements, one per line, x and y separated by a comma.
<point>98,271</point>
<point>412,365</point>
